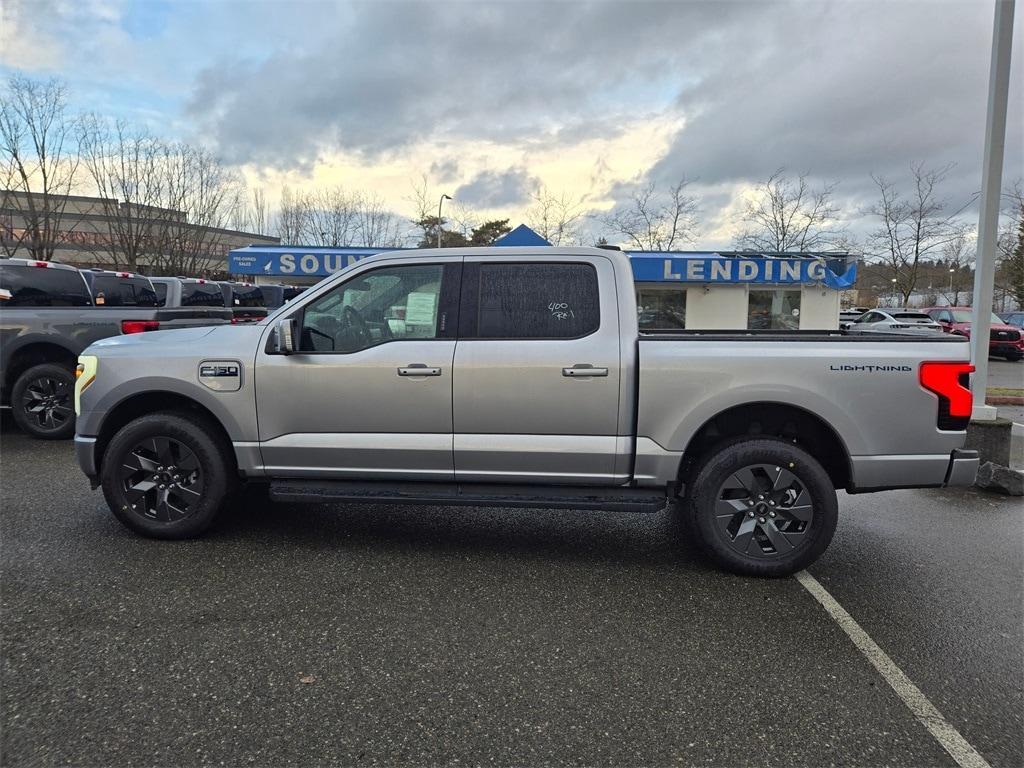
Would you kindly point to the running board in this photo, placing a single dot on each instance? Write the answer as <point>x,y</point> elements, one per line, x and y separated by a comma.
<point>470,494</point>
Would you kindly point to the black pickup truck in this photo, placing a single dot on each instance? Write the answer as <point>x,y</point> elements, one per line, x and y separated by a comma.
<point>49,313</point>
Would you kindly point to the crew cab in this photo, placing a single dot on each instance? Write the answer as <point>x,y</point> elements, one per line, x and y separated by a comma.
<point>49,313</point>
<point>1003,340</point>
<point>518,377</point>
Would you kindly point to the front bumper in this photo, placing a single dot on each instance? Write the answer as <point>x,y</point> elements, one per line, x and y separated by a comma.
<point>963,468</point>
<point>85,453</point>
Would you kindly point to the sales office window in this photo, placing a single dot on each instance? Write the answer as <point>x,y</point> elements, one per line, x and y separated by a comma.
<point>661,308</point>
<point>774,310</point>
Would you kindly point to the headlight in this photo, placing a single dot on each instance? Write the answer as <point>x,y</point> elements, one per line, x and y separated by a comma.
<point>85,374</point>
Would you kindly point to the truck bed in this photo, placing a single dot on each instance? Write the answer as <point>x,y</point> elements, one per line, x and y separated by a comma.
<point>866,388</point>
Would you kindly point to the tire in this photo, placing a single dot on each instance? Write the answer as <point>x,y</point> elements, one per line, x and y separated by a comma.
<point>1014,358</point>
<point>166,476</point>
<point>43,402</point>
<point>761,507</point>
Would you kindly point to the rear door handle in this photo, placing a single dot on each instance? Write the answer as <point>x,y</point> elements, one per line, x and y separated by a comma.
<point>583,370</point>
<point>419,369</point>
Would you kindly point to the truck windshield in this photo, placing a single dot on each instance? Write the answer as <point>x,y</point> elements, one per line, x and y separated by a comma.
<point>116,291</point>
<point>201,295</point>
<point>42,287</point>
<point>964,316</point>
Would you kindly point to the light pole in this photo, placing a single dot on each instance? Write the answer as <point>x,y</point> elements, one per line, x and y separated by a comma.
<point>988,218</point>
<point>951,271</point>
<point>893,281</point>
<point>439,204</point>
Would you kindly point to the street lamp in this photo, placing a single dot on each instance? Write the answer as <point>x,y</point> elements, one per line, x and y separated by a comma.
<point>439,204</point>
<point>893,281</point>
<point>951,271</point>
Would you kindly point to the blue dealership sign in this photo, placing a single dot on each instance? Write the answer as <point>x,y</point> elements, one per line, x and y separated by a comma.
<point>716,268</point>
<point>662,267</point>
<point>296,261</point>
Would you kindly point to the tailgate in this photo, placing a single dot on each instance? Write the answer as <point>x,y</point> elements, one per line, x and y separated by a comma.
<point>187,317</point>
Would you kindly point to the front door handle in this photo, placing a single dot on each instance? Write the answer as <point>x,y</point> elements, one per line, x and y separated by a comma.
<point>582,370</point>
<point>419,369</point>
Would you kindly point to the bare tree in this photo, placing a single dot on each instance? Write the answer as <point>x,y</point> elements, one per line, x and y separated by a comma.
<point>913,228</point>
<point>260,212</point>
<point>330,217</point>
<point>124,164</point>
<point>556,218</point>
<point>201,193</point>
<point>654,222</point>
<point>40,167</point>
<point>377,226</point>
<point>291,217</point>
<point>1010,272</point>
<point>789,215</point>
<point>958,257</point>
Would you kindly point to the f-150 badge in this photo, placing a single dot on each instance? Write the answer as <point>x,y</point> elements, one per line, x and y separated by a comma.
<point>221,375</point>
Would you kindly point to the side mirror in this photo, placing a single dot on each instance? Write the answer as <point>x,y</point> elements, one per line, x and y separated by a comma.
<point>845,326</point>
<point>284,337</point>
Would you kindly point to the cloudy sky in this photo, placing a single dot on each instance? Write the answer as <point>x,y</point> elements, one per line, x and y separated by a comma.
<point>490,100</point>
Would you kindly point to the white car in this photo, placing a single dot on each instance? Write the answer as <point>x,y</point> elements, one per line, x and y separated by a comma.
<point>893,321</point>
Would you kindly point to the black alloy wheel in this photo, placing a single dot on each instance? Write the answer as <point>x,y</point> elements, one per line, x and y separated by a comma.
<point>162,479</point>
<point>763,511</point>
<point>43,402</point>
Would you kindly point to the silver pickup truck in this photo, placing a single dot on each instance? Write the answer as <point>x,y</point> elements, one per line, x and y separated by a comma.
<point>517,377</point>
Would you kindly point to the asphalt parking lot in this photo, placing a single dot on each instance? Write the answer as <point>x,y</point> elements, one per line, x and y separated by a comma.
<point>305,635</point>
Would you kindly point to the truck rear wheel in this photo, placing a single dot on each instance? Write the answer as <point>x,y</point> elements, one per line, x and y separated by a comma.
<point>42,402</point>
<point>166,476</point>
<point>761,507</point>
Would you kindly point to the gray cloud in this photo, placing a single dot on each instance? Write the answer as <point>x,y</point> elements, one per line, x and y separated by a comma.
<point>491,189</point>
<point>836,90</point>
<point>445,171</point>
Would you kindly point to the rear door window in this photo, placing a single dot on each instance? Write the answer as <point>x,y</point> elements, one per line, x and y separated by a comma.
<point>115,291</point>
<point>42,287</point>
<point>201,295</point>
<point>537,301</point>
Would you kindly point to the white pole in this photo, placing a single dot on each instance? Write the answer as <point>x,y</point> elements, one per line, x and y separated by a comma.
<point>991,189</point>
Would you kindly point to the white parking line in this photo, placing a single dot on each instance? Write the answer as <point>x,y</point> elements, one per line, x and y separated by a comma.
<point>948,736</point>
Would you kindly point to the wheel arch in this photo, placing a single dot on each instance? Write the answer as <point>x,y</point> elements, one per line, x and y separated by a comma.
<point>772,419</point>
<point>32,354</point>
<point>150,402</point>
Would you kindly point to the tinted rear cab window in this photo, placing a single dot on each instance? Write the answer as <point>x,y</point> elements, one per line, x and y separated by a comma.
<point>42,287</point>
<point>114,291</point>
<point>201,295</point>
<point>246,295</point>
<point>537,301</point>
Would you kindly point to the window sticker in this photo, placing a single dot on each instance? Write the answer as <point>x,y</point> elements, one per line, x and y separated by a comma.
<point>419,308</point>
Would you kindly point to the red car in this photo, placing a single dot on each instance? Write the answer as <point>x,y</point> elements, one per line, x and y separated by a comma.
<point>1004,340</point>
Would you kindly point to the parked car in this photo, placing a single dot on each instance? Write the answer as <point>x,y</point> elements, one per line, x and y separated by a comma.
<point>893,321</point>
<point>48,316</point>
<point>192,292</point>
<point>518,377</point>
<point>1016,319</point>
<point>851,314</point>
<point>247,302</point>
<point>1004,340</point>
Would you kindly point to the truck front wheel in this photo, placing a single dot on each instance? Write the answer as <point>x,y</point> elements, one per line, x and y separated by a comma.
<point>166,476</point>
<point>43,402</point>
<point>761,507</point>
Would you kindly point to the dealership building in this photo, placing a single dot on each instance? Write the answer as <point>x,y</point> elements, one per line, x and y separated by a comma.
<point>674,289</point>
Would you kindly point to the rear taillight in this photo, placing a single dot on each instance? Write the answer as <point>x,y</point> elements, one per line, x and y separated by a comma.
<point>951,383</point>
<point>139,326</point>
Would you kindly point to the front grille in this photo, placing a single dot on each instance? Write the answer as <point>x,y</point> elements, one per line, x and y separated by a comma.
<point>997,335</point>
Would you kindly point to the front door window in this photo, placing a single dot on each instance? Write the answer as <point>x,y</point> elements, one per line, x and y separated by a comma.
<point>388,304</point>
